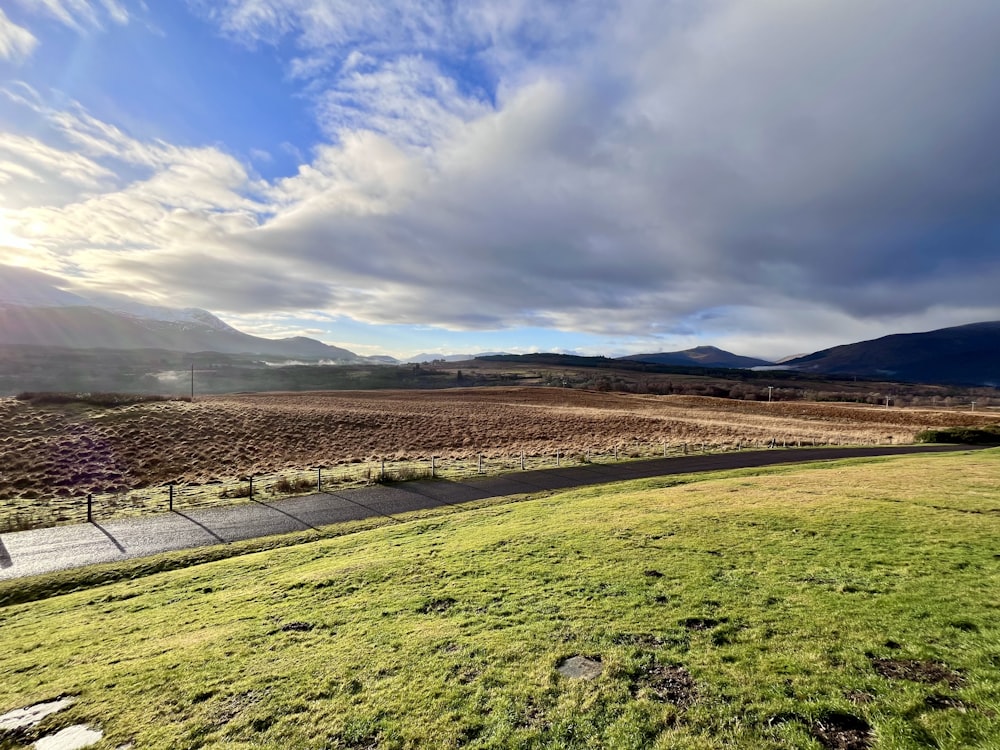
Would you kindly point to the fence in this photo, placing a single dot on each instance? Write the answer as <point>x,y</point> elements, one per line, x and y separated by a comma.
<point>174,496</point>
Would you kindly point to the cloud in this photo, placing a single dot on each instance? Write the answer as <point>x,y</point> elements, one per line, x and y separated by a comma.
<point>31,159</point>
<point>79,15</point>
<point>643,171</point>
<point>16,42</point>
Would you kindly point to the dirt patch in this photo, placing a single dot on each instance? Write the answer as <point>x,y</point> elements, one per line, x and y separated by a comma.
<point>840,731</point>
<point>670,684</point>
<point>436,606</point>
<point>917,670</point>
<point>701,623</point>
<point>297,627</point>
<point>939,702</point>
<point>859,697</point>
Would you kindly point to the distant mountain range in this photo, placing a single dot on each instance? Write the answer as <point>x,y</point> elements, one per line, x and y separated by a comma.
<point>33,312</point>
<point>422,358</point>
<point>700,356</point>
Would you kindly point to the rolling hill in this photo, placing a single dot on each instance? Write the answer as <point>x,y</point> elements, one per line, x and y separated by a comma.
<point>960,355</point>
<point>700,356</point>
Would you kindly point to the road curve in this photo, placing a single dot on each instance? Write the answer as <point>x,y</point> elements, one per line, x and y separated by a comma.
<point>27,553</point>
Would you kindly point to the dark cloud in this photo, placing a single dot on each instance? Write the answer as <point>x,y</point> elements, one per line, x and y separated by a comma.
<point>722,166</point>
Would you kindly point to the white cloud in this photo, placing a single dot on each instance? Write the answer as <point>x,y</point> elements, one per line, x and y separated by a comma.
<point>79,15</point>
<point>72,166</point>
<point>16,42</point>
<point>644,171</point>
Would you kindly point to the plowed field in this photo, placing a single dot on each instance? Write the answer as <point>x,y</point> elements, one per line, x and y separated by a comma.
<point>48,451</point>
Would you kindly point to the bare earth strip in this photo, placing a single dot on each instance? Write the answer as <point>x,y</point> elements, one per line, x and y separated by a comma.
<point>47,453</point>
<point>40,551</point>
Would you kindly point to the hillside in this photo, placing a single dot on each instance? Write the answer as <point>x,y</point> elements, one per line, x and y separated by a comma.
<point>763,610</point>
<point>699,356</point>
<point>961,355</point>
<point>36,312</point>
<point>86,327</point>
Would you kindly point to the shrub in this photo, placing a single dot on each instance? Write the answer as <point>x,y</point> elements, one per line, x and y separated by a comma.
<point>988,435</point>
<point>44,398</point>
<point>402,474</point>
<point>286,486</point>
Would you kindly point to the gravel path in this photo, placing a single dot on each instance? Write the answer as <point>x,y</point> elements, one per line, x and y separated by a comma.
<point>27,553</point>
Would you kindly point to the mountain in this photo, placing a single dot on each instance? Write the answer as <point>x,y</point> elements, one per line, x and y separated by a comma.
<point>34,311</point>
<point>700,356</point>
<point>961,355</point>
<point>87,327</point>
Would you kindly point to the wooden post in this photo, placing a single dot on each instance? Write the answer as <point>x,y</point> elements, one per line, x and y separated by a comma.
<point>522,460</point>
<point>90,508</point>
<point>433,467</point>
<point>250,478</point>
<point>480,463</point>
<point>171,486</point>
<point>382,475</point>
<point>616,453</point>
<point>557,458</point>
<point>319,478</point>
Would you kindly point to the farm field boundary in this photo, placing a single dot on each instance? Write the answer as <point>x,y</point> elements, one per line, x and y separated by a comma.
<point>40,551</point>
<point>134,459</point>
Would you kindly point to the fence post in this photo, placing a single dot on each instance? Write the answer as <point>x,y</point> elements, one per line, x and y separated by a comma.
<point>171,487</point>
<point>685,449</point>
<point>319,478</point>
<point>250,478</point>
<point>90,508</point>
<point>664,448</point>
<point>480,463</point>
<point>616,453</point>
<point>557,458</point>
<point>433,467</point>
<point>522,460</point>
<point>382,475</point>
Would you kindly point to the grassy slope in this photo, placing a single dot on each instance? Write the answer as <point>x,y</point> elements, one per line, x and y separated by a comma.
<point>445,632</point>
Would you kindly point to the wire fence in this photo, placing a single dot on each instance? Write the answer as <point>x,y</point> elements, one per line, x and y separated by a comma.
<point>17,515</point>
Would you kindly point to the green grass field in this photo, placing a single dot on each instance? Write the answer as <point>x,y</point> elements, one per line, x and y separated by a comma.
<point>784,608</point>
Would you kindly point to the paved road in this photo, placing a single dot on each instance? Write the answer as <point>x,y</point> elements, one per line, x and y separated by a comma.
<point>26,553</point>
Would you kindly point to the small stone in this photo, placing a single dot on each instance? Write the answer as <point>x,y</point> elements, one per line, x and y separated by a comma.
<point>70,738</point>
<point>581,667</point>
<point>22,718</point>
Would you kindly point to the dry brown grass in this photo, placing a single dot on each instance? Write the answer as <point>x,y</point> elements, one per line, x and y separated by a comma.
<point>54,452</point>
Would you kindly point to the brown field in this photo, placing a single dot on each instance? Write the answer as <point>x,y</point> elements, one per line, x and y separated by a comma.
<point>62,451</point>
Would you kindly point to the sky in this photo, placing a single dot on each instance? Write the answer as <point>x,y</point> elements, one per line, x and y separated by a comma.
<point>772,177</point>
